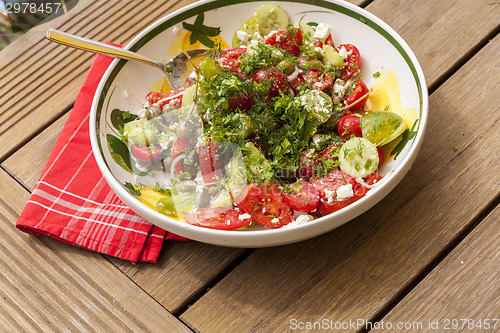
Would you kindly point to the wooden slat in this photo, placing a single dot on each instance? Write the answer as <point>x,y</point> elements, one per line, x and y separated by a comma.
<point>441,32</point>
<point>356,271</point>
<point>184,269</point>
<point>47,285</point>
<point>36,90</point>
<point>169,281</point>
<point>464,287</point>
<point>27,163</point>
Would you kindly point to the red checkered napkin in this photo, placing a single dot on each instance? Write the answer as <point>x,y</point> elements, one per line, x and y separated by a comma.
<point>73,203</point>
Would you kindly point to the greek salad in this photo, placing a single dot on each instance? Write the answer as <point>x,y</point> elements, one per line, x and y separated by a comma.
<point>274,131</point>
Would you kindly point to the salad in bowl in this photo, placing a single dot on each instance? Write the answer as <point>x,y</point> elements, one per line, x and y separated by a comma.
<point>276,131</point>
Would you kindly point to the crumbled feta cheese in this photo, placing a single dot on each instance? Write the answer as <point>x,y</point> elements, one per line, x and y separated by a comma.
<point>319,50</point>
<point>200,188</point>
<point>343,53</point>
<point>244,216</point>
<point>338,89</point>
<point>344,192</point>
<point>322,31</point>
<point>329,195</point>
<point>243,36</point>
<point>300,218</point>
<point>317,86</point>
<point>304,219</point>
<point>275,220</point>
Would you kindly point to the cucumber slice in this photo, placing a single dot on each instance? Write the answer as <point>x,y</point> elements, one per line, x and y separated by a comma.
<point>249,29</point>
<point>209,67</point>
<point>381,127</point>
<point>358,157</point>
<point>306,29</point>
<point>318,104</point>
<point>140,131</point>
<point>271,17</point>
<point>332,57</point>
<point>188,97</point>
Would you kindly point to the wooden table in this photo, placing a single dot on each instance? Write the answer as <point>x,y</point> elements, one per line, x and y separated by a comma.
<point>426,255</point>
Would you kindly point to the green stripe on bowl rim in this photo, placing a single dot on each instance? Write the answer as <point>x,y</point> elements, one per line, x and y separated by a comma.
<point>203,6</point>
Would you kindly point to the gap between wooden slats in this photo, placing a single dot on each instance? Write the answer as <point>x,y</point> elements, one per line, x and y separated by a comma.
<point>54,297</point>
<point>373,275</point>
<point>463,285</point>
<point>43,79</point>
<point>47,284</point>
<point>38,45</point>
<point>83,58</point>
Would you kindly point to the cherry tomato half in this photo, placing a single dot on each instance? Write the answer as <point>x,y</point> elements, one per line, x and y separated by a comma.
<point>328,41</point>
<point>359,91</point>
<point>219,218</point>
<point>352,62</point>
<point>265,204</point>
<point>230,58</point>
<point>331,152</point>
<point>316,80</point>
<point>287,40</point>
<point>146,154</point>
<point>301,196</point>
<point>163,99</point>
<point>276,78</point>
<point>180,147</point>
<point>210,167</point>
<point>330,183</point>
<point>349,125</point>
<point>308,163</point>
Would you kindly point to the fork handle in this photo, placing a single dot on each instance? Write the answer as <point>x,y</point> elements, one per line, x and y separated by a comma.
<point>97,47</point>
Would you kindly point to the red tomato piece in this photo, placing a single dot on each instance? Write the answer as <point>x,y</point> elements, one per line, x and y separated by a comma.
<point>162,99</point>
<point>328,41</point>
<point>307,63</point>
<point>331,151</point>
<point>233,53</point>
<point>210,167</point>
<point>180,147</point>
<point>273,75</point>
<point>297,82</point>
<point>315,81</point>
<point>241,101</point>
<point>229,58</point>
<point>147,154</point>
<point>349,125</point>
<point>308,163</point>
<point>380,155</point>
<point>301,196</point>
<point>265,204</point>
<point>219,218</point>
<point>327,187</point>
<point>352,62</point>
<point>287,40</point>
<point>358,94</point>
<point>373,178</point>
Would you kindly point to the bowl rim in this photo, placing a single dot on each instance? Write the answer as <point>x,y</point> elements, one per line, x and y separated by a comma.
<point>262,238</point>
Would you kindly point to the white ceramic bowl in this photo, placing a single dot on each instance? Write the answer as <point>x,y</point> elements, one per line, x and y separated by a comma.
<point>125,84</point>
